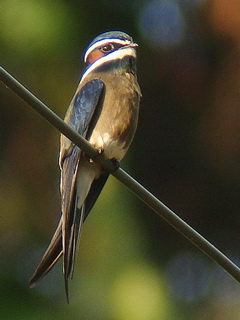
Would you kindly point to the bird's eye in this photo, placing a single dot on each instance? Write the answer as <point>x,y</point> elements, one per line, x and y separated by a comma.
<point>107,48</point>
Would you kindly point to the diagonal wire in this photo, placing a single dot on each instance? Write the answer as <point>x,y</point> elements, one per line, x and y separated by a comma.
<point>143,194</point>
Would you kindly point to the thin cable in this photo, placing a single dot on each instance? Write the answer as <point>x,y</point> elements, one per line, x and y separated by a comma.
<point>143,194</point>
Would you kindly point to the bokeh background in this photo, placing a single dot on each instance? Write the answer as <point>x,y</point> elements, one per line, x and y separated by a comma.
<point>131,265</point>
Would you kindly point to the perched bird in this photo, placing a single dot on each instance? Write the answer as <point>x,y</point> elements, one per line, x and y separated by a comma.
<point>104,110</point>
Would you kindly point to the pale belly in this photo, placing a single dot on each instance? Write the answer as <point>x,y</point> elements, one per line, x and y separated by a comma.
<point>113,149</point>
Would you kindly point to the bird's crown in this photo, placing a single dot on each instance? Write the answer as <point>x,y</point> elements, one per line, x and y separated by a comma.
<point>112,35</point>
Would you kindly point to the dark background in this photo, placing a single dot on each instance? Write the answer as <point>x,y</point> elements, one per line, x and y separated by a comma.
<point>131,264</point>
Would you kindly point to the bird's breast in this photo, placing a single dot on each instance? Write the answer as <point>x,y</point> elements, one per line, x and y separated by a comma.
<point>117,122</point>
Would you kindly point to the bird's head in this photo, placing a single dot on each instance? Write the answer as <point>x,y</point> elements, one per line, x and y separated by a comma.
<point>109,48</point>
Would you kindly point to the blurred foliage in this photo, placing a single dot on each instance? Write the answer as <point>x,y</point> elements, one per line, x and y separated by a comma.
<point>131,265</point>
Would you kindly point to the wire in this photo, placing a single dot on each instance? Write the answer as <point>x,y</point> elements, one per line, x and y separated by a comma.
<point>142,193</point>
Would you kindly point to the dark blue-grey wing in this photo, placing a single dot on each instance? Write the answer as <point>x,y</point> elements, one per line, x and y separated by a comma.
<point>81,116</point>
<point>84,109</point>
<point>84,112</point>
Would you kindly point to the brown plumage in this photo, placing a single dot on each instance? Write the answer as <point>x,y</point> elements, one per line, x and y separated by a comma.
<point>105,111</point>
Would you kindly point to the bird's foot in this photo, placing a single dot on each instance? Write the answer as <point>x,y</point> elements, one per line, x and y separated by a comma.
<point>116,164</point>
<point>100,151</point>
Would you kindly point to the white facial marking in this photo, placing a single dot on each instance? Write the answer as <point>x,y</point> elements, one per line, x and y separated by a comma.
<point>101,43</point>
<point>118,54</point>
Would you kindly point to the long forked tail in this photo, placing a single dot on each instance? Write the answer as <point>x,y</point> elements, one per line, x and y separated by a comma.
<point>80,210</point>
<point>50,258</point>
<point>55,248</point>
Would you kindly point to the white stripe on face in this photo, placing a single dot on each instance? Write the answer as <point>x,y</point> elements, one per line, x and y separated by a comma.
<point>101,43</point>
<point>118,54</point>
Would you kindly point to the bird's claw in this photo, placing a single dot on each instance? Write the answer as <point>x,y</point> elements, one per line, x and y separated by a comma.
<point>116,164</point>
<point>100,151</point>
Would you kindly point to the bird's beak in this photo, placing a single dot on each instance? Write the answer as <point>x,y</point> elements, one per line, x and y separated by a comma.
<point>133,45</point>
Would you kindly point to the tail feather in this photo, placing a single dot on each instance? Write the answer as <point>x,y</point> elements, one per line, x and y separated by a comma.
<point>67,234</point>
<point>94,193</point>
<point>79,215</point>
<point>50,258</point>
<point>77,227</point>
<point>71,246</point>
